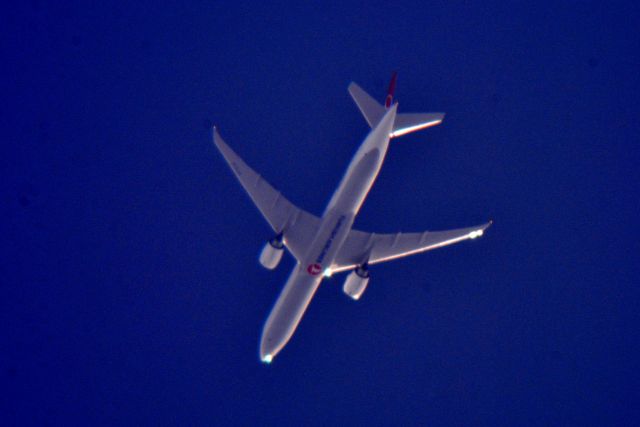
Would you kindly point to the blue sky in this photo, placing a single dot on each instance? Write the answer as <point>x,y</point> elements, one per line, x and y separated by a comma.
<point>131,289</point>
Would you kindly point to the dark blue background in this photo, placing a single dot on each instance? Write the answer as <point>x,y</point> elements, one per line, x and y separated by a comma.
<point>131,292</point>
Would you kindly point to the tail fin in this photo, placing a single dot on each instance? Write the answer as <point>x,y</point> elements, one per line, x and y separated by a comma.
<point>405,122</point>
<point>392,89</point>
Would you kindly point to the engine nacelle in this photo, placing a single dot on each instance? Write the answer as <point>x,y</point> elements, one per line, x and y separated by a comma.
<point>272,253</point>
<point>356,282</point>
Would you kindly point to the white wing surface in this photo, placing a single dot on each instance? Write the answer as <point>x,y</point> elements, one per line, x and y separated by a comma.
<point>374,248</point>
<point>298,226</point>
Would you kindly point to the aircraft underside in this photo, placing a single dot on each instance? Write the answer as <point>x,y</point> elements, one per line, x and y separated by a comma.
<point>326,245</point>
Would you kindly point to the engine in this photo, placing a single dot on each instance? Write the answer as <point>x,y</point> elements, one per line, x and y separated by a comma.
<point>272,252</point>
<point>356,282</point>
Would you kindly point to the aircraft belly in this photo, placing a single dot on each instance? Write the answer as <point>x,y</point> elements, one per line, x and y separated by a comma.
<point>358,182</point>
<point>336,224</point>
<point>303,283</point>
<point>285,316</point>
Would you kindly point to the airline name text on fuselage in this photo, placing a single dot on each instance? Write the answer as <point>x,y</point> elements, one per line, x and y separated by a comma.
<point>329,241</point>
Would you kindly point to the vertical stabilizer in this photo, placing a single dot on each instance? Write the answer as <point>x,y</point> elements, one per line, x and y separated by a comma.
<point>392,90</point>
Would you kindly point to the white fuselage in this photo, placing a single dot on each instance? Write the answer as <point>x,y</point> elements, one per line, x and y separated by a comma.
<point>336,223</point>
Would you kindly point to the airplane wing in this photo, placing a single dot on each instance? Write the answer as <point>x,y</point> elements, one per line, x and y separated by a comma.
<point>374,248</point>
<point>298,226</point>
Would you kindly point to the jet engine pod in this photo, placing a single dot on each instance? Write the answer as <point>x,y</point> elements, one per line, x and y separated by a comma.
<point>272,252</point>
<point>356,282</point>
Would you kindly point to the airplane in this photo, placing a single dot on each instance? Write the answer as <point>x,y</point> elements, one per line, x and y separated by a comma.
<point>328,244</point>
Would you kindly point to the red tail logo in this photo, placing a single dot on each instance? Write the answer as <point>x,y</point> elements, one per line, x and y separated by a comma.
<point>391,91</point>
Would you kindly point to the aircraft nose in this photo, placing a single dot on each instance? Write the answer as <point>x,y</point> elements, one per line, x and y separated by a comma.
<point>266,356</point>
<point>267,350</point>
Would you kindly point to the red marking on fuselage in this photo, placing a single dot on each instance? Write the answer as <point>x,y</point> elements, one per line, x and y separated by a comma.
<point>314,269</point>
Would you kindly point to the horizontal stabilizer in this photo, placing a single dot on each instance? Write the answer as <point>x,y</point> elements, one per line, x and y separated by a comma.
<point>410,122</point>
<point>405,122</point>
<point>369,107</point>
